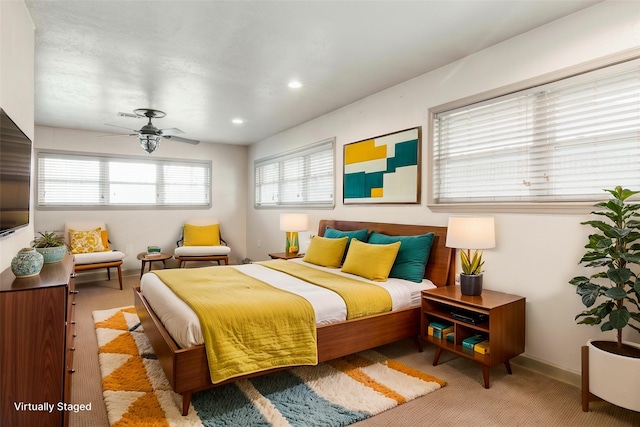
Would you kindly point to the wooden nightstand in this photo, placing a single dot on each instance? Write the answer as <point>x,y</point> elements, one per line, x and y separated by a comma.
<point>504,326</point>
<point>283,255</point>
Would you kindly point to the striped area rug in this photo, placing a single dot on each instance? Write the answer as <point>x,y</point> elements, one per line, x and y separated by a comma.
<point>335,393</point>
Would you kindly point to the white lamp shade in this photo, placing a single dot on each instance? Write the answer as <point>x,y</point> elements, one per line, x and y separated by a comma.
<point>471,233</point>
<point>294,222</point>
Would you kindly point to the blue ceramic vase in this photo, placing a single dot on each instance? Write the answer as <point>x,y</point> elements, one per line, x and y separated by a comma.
<point>27,263</point>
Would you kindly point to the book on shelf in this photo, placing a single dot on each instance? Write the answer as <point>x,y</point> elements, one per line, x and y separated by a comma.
<point>471,341</point>
<point>482,347</point>
<point>439,329</point>
<point>451,337</point>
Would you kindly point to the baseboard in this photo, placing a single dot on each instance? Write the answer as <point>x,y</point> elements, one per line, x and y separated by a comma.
<point>549,370</point>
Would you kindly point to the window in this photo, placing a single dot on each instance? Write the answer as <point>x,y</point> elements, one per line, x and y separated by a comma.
<point>303,177</point>
<point>84,180</point>
<point>563,141</point>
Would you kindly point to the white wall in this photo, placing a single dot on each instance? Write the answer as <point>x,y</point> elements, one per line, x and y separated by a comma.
<point>536,254</point>
<point>16,95</point>
<point>132,230</point>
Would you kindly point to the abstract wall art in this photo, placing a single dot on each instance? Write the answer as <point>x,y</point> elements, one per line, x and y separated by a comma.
<point>384,169</point>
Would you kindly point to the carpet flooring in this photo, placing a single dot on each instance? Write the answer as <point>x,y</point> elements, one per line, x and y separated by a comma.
<point>338,393</point>
<point>527,398</point>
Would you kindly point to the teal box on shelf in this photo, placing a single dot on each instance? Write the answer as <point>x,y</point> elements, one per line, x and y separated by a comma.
<point>472,341</point>
<point>153,250</point>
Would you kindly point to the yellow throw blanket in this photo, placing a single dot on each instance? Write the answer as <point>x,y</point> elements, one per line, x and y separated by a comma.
<point>248,325</point>
<point>362,299</point>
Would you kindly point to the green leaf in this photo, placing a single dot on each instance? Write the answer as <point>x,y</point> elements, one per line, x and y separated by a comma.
<point>616,293</point>
<point>619,276</point>
<point>579,280</point>
<point>589,292</point>
<point>619,318</point>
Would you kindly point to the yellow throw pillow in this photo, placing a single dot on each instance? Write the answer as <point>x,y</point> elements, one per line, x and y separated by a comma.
<point>202,235</point>
<point>105,240</point>
<point>83,242</point>
<point>325,251</point>
<point>372,262</point>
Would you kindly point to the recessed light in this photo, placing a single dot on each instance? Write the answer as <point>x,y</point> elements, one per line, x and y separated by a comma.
<point>295,84</point>
<point>237,121</point>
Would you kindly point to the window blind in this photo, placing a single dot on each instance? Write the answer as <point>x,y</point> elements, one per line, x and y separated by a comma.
<point>303,177</point>
<point>563,141</point>
<point>75,179</point>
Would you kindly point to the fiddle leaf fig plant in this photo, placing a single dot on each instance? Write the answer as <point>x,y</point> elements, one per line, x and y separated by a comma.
<point>615,251</point>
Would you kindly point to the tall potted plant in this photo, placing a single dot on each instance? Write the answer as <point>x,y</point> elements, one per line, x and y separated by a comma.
<point>614,250</point>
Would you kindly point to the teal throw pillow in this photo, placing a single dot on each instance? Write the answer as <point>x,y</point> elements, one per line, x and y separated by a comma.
<point>412,256</point>
<point>361,235</point>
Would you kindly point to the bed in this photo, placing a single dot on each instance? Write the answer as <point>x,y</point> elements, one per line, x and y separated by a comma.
<point>187,369</point>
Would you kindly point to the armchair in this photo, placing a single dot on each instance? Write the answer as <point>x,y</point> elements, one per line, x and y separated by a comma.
<point>201,240</point>
<point>89,243</point>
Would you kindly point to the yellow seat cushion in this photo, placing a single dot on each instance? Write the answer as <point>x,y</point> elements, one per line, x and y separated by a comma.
<point>202,235</point>
<point>325,251</point>
<point>86,241</point>
<point>372,262</point>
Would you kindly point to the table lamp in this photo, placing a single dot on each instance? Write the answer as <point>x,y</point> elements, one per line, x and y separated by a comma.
<point>291,224</point>
<point>466,234</point>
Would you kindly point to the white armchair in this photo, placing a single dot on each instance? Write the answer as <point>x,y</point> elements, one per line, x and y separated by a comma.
<point>89,243</point>
<point>201,240</point>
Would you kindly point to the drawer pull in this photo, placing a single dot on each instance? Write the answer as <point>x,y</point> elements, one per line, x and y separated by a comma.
<point>72,371</point>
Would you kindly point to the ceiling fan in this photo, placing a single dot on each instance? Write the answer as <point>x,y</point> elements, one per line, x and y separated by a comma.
<point>149,135</point>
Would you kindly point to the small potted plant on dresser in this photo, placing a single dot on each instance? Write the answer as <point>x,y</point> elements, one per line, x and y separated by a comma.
<point>611,369</point>
<point>51,245</point>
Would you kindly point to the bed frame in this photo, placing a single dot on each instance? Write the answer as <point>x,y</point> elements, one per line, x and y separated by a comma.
<point>187,369</point>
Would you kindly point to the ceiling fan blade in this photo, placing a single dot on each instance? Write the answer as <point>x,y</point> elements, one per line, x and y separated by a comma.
<point>180,139</point>
<point>171,131</point>
<point>120,134</point>
<point>121,127</point>
<point>131,115</point>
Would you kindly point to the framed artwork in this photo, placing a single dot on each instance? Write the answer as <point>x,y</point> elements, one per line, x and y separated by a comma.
<point>384,169</point>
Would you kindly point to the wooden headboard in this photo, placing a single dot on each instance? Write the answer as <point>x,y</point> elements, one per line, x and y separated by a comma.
<point>441,264</point>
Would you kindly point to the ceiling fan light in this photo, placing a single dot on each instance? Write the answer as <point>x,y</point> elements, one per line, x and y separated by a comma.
<point>149,143</point>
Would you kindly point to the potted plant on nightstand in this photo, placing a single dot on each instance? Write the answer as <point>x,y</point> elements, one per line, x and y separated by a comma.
<point>613,366</point>
<point>51,245</point>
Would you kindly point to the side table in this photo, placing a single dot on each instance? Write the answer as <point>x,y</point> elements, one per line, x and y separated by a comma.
<point>504,324</point>
<point>150,258</point>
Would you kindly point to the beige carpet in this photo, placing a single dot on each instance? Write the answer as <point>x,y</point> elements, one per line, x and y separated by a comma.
<point>525,398</point>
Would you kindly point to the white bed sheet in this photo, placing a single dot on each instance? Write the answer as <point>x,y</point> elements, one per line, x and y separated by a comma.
<point>184,327</point>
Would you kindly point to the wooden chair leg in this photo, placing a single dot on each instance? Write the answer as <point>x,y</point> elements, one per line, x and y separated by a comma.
<point>120,275</point>
<point>108,273</point>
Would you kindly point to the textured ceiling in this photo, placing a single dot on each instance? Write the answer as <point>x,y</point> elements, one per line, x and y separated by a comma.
<point>207,62</point>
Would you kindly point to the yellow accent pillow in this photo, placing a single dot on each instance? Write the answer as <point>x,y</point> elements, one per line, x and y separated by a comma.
<point>83,242</point>
<point>105,240</point>
<point>372,262</point>
<point>325,251</point>
<point>202,235</point>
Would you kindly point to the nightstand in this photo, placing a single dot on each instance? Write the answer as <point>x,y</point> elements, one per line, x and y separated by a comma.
<point>503,324</point>
<point>283,255</point>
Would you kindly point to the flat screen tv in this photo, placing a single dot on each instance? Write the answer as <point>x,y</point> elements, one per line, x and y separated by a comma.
<point>15,176</point>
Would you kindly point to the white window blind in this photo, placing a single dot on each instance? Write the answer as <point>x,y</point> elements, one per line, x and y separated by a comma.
<point>75,179</point>
<point>303,177</point>
<point>563,141</point>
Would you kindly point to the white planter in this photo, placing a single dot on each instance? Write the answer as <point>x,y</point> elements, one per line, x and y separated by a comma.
<point>615,378</point>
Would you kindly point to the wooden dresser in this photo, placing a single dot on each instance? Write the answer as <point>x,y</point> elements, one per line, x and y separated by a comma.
<point>37,330</point>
